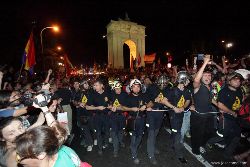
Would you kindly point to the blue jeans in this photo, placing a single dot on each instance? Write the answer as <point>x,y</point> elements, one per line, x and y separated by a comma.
<point>185,125</point>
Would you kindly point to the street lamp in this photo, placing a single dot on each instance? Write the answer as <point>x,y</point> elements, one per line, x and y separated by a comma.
<point>59,48</point>
<point>55,28</point>
<point>228,45</point>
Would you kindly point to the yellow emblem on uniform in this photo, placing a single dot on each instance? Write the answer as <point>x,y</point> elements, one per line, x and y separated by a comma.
<point>106,99</point>
<point>181,102</point>
<point>161,97</point>
<point>236,104</point>
<point>84,99</point>
<point>116,103</point>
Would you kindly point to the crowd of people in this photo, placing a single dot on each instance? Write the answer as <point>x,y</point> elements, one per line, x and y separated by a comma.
<point>210,104</point>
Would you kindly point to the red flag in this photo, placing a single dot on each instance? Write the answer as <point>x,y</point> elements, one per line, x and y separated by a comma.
<point>132,64</point>
<point>149,58</point>
<point>29,59</point>
<point>139,60</point>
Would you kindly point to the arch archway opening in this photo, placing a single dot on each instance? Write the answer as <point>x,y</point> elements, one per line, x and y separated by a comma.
<point>131,56</point>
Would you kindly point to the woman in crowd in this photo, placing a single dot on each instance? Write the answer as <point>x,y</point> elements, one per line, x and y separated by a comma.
<point>41,147</point>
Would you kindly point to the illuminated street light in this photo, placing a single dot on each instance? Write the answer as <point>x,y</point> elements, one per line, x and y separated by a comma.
<point>60,64</point>
<point>59,48</point>
<point>55,28</point>
<point>169,65</point>
<point>229,45</point>
<point>222,41</point>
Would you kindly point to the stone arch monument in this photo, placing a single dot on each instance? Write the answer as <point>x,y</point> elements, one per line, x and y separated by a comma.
<point>125,32</point>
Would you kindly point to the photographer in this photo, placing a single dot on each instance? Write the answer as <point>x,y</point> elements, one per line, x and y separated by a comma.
<point>9,99</point>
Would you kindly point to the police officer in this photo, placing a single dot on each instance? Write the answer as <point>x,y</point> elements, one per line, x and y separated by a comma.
<point>75,98</point>
<point>98,102</point>
<point>85,117</point>
<point>136,106</point>
<point>155,117</point>
<point>184,77</point>
<point>177,99</point>
<point>117,119</point>
<point>229,101</point>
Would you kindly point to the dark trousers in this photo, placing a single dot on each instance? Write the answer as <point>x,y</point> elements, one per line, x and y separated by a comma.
<point>101,124</point>
<point>136,134</point>
<point>231,134</point>
<point>176,123</point>
<point>202,129</point>
<point>85,123</point>
<point>117,124</point>
<point>154,121</point>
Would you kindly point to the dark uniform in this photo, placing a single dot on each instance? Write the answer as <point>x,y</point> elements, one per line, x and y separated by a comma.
<point>136,121</point>
<point>154,118</point>
<point>232,100</point>
<point>177,98</point>
<point>100,117</point>
<point>117,119</point>
<point>85,119</point>
<point>75,97</point>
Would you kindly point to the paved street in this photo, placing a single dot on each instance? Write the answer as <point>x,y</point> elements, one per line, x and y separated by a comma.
<point>213,157</point>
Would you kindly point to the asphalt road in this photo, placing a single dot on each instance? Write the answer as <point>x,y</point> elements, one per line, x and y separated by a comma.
<point>166,158</point>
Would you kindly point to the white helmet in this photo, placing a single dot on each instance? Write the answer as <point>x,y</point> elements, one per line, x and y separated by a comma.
<point>116,84</point>
<point>245,73</point>
<point>134,82</point>
<point>234,74</point>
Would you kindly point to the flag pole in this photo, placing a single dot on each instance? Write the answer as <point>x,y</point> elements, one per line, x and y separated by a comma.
<point>20,73</point>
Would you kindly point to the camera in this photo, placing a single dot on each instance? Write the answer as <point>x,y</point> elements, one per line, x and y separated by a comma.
<point>27,99</point>
<point>42,99</point>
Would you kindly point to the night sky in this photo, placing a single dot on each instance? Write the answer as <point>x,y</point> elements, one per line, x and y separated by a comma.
<point>172,26</point>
